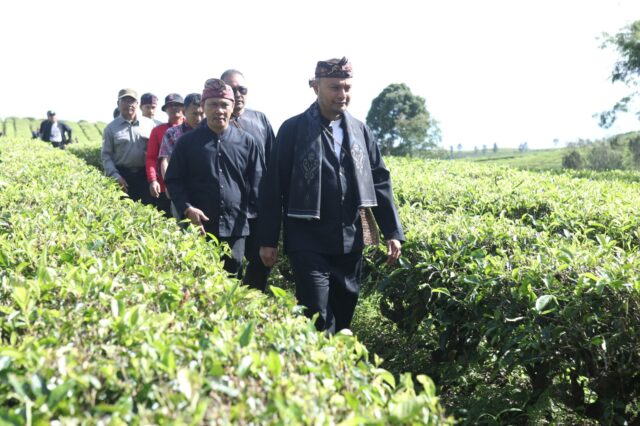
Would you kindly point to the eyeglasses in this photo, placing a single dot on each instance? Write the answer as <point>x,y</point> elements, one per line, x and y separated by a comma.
<point>240,89</point>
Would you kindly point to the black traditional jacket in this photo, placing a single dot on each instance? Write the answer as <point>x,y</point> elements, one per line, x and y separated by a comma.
<point>218,174</point>
<point>338,229</point>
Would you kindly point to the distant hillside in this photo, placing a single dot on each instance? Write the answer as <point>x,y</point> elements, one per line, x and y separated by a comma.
<point>546,159</point>
<point>533,159</point>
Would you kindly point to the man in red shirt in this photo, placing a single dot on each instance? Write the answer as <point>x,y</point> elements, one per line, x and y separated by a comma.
<point>174,107</point>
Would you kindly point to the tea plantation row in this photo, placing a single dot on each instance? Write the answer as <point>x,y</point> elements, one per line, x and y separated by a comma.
<point>110,314</point>
<point>519,292</point>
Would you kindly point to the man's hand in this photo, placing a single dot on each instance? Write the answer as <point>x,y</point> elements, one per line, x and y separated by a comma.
<point>196,216</point>
<point>269,256</point>
<point>393,251</point>
<point>123,184</point>
<point>154,189</point>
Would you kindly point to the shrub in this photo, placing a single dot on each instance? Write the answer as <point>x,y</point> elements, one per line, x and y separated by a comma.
<point>109,314</point>
<point>602,157</point>
<point>572,160</point>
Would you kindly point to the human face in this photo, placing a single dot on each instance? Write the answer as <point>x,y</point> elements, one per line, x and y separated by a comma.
<point>194,114</point>
<point>334,95</point>
<point>127,106</point>
<point>218,112</point>
<point>240,91</point>
<point>149,110</point>
<point>175,112</point>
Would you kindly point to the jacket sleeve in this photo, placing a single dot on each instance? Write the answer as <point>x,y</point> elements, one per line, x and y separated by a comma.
<point>273,187</point>
<point>176,177</point>
<point>269,141</point>
<point>386,213</point>
<point>66,129</point>
<point>106,154</point>
<point>153,148</point>
<point>256,168</point>
<point>41,130</point>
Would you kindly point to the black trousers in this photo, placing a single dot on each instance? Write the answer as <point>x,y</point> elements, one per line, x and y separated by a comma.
<point>256,273</point>
<point>233,263</point>
<point>137,183</point>
<point>163,204</point>
<point>328,285</point>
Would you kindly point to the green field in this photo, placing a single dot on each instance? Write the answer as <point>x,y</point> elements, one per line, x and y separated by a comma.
<point>518,293</point>
<point>545,159</point>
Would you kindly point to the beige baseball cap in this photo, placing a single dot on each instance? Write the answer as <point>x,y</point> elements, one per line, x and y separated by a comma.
<point>128,92</point>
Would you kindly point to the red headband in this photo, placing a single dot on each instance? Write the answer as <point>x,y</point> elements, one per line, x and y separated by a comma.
<point>216,88</point>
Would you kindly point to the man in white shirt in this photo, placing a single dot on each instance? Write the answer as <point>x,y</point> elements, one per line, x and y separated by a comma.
<point>54,131</point>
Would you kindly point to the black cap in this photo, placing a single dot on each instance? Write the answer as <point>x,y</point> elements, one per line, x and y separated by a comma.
<point>51,113</point>
<point>172,98</point>
<point>148,99</point>
<point>192,98</point>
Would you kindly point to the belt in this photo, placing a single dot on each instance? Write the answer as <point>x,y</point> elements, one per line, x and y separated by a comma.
<point>131,169</point>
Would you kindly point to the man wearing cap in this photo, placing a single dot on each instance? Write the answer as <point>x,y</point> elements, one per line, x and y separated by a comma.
<point>148,105</point>
<point>256,124</point>
<point>124,146</point>
<point>54,131</point>
<point>214,173</point>
<point>324,175</point>
<point>174,107</point>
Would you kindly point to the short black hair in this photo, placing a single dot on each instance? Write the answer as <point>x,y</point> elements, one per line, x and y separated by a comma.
<point>229,73</point>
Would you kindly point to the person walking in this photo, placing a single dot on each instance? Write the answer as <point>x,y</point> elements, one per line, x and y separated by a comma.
<point>256,124</point>
<point>54,131</point>
<point>124,146</point>
<point>325,178</point>
<point>214,173</point>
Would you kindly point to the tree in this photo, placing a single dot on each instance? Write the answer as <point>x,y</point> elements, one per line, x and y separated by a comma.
<point>626,70</point>
<point>401,123</point>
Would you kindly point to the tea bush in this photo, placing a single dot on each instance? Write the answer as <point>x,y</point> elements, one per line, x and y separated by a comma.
<point>110,314</point>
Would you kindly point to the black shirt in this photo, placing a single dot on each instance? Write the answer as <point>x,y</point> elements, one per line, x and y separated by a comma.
<point>218,174</point>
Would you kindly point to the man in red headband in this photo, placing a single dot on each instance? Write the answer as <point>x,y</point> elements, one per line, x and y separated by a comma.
<point>325,177</point>
<point>214,173</point>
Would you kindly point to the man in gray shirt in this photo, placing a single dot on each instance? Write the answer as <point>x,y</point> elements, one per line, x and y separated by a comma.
<point>124,147</point>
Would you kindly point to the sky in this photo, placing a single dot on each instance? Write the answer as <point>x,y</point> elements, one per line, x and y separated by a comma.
<point>500,71</point>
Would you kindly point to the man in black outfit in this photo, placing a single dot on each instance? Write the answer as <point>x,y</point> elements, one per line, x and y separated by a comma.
<point>324,174</point>
<point>214,173</point>
<point>54,131</point>
<point>257,125</point>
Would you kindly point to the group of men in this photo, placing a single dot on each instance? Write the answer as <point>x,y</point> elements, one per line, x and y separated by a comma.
<point>321,181</point>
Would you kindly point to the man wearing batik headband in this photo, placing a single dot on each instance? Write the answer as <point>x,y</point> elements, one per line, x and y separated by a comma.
<point>214,173</point>
<point>325,178</point>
